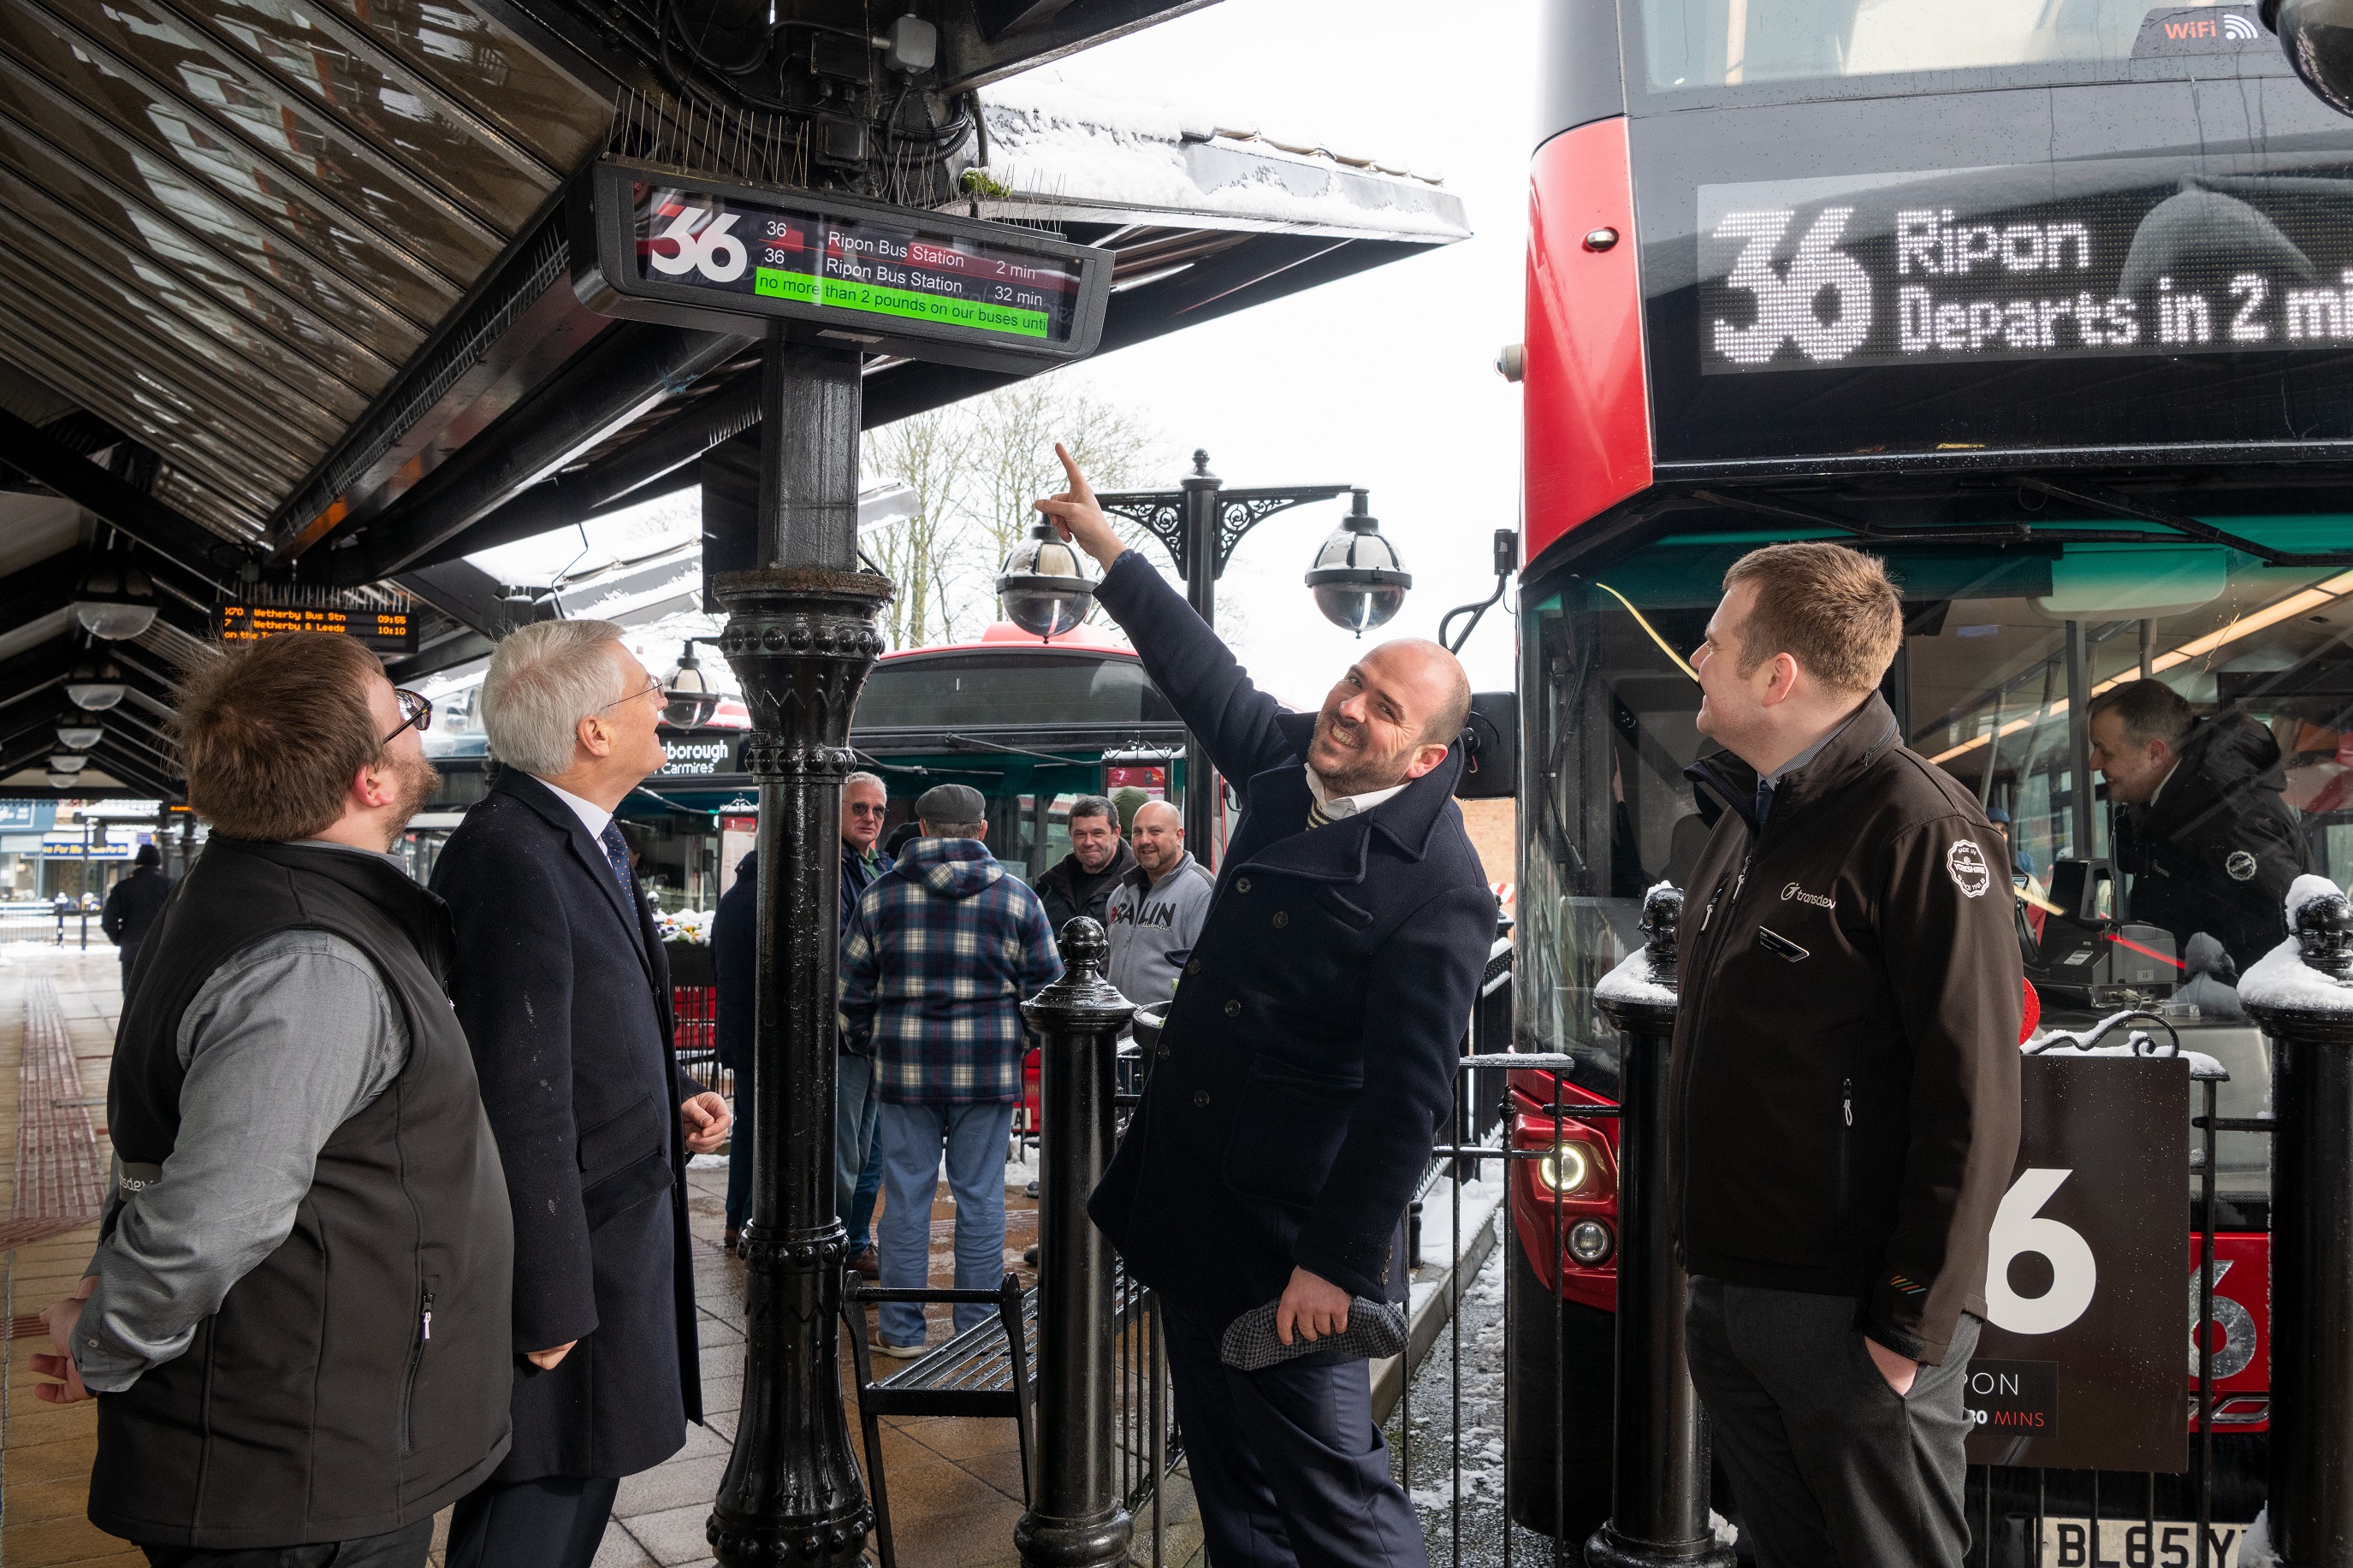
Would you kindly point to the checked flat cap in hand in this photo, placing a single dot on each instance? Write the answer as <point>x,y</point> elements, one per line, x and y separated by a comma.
<point>1376,1328</point>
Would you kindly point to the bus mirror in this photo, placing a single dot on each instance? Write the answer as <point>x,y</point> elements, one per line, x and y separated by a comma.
<point>1490,748</point>
<point>2318,35</point>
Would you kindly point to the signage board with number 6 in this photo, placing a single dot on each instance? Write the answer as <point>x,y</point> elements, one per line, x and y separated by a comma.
<point>2080,1363</point>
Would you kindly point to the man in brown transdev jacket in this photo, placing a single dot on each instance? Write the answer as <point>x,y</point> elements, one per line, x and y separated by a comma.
<point>1844,1094</point>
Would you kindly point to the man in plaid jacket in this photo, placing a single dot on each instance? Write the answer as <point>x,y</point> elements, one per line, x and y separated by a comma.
<point>944,947</point>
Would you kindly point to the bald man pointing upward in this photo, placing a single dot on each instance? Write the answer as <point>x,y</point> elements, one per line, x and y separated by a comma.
<point>1306,1064</point>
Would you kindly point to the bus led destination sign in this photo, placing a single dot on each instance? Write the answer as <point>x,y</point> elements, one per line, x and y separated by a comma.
<point>2144,255</point>
<point>860,275</point>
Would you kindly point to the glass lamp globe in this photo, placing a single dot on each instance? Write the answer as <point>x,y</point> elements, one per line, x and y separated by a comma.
<point>94,687</point>
<point>116,603</point>
<point>688,700</point>
<point>1044,586</point>
<point>67,762</point>
<point>1357,579</point>
<point>62,781</point>
<point>79,737</point>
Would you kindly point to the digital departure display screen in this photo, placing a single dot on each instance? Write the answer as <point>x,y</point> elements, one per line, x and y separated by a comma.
<point>879,268</point>
<point>2139,256</point>
<point>857,274</point>
<point>386,631</point>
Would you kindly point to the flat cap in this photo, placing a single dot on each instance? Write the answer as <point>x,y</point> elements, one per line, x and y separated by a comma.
<point>951,803</point>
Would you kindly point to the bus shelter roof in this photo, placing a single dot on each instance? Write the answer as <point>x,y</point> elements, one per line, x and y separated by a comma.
<point>286,295</point>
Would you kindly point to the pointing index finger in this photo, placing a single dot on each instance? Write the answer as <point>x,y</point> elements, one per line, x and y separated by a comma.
<point>1079,490</point>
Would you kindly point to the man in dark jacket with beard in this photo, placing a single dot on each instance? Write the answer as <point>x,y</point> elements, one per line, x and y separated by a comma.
<point>1080,883</point>
<point>1307,1060</point>
<point>290,1088</point>
<point>1843,1083</point>
<point>2201,828</point>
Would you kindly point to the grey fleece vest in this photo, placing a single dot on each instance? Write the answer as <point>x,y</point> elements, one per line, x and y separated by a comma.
<point>357,1379</point>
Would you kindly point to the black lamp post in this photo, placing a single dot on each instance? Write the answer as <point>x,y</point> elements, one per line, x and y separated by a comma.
<point>1198,525</point>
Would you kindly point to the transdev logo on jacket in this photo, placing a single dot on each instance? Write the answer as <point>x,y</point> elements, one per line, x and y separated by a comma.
<point>934,968</point>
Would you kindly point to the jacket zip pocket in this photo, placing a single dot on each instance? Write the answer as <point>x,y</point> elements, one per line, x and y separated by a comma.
<point>1845,1156</point>
<point>416,1363</point>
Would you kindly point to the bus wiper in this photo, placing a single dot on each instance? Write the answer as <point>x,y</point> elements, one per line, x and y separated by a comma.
<point>2124,506</point>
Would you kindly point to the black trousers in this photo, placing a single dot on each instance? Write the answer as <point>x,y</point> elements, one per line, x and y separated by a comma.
<point>554,1521</point>
<point>1831,1468</point>
<point>402,1549</point>
<point>1287,1463</point>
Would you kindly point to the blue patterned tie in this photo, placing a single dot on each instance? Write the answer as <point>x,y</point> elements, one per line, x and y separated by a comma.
<point>1764,800</point>
<point>617,850</point>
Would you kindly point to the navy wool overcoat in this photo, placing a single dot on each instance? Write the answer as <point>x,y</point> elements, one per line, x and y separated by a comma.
<point>564,990</point>
<point>1309,1055</point>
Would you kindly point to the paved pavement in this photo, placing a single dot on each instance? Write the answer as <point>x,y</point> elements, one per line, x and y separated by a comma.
<point>955,1485</point>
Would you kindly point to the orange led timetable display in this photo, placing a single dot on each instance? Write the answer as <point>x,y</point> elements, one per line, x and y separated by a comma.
<point>388,631</point>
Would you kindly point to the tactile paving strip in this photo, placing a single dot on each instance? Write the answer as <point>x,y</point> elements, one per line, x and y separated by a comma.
<point>59,1184</point>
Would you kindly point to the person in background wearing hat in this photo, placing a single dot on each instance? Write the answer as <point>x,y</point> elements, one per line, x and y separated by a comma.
<point>944,949</point>
<point>133,904</point>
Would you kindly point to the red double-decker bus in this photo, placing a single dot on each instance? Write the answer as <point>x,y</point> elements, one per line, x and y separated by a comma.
<point>2050,303</point>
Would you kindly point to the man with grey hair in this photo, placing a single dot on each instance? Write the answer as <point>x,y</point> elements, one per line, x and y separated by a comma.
<point>562,985</point>
<point>944,949</point>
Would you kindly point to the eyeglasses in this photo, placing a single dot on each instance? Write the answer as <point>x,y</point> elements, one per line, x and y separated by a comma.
<point>653,685</point>
<point>867,808</point>
<point>416,712</point>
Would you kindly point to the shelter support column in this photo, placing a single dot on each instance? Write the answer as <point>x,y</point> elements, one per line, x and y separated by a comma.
<point>800,635</point>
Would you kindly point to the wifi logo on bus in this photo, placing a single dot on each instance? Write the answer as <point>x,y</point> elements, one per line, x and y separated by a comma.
<point>2240,28</point>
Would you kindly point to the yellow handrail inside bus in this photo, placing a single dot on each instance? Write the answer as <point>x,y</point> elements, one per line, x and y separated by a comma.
<point>1647,626</point>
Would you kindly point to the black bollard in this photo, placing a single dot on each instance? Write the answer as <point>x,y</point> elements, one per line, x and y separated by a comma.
<point>1074,1519</point>
<point>1659,1487</point>
<point>2307,1010</point>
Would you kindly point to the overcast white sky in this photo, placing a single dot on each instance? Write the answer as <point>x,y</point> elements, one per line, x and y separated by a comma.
<point>1385,380</point>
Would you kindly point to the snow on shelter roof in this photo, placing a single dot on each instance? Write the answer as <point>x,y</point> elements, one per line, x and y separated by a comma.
<point>1056,151</point>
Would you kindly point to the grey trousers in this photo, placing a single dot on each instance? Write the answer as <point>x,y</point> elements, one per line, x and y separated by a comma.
<point>1828,1466</point>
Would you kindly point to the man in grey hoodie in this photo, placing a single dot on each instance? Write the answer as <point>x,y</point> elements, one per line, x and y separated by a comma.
<point>1157,910</point>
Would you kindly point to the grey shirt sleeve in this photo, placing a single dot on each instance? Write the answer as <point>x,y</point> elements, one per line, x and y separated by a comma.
<point>286,1042</point>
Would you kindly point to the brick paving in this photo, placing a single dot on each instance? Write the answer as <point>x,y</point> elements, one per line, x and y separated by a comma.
<point>956,1486</point>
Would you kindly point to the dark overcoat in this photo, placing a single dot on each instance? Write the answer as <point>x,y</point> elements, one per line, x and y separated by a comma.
<point>564,990</point>
<point>1309,1055</point>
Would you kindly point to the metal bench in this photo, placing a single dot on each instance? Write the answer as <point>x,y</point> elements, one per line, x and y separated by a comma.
<point>985,1371</point>
<point>978,1373</point>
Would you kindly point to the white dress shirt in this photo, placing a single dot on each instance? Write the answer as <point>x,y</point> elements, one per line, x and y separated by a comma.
<point>1337,807</point>
<point>592,817</point>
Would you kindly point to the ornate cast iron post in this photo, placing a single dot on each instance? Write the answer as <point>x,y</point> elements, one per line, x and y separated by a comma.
<point>1199,524</point>
<point>1659,1487</point>
<point>800,635</point>
<point>2305,1003</point>
<point>1075,1520</point>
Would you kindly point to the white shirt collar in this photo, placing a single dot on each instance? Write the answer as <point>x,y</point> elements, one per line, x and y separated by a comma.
<point>2165,781</point>
<point>1337,807</point>
<point>592,817</point>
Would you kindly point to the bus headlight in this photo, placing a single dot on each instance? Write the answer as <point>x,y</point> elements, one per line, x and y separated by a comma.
<point>1565,1169</point>
<point>1590,1243</point>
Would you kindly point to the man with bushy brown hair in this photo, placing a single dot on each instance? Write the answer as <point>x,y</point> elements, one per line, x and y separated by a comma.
<point>296,1321</point>
<point>1844,1085</point>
